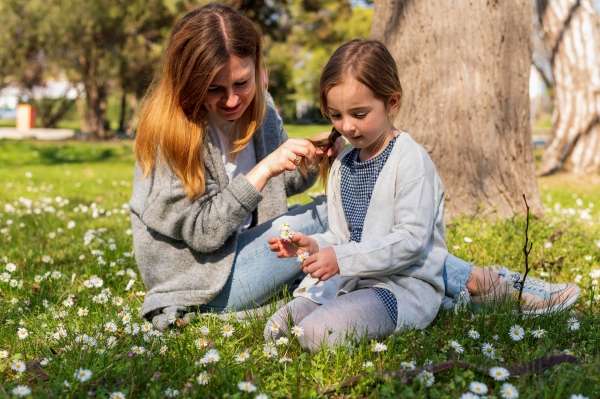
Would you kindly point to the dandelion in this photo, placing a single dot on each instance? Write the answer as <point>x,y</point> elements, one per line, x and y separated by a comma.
<point>82,375</point>
<point>282,341</point>
<point>516,333</point>
<point>18,366</point>
<point>478,388</point>
<point>488,350</point>
<point>117,395</point>
<point>426,378</point>
<point>473,334</point>
<point>499,373</point>
<point>456,346</point>
<point>242,356</point>
<point>297,331</point>
<point>573,324</point>
<point>22,333</point>
<point>538,333</point>
<point>508,391</point>
<point>21,391</point>
<point>246,386</point>
<point>203,378</point>
<point>379,347</point>
<point>227,330</point>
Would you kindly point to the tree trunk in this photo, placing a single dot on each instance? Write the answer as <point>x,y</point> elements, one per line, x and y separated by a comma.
<point>572,33</point>
<point>95,112</point>
<point>464,66</point>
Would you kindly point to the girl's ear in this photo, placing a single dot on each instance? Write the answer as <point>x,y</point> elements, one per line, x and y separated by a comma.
<point>394,103</point>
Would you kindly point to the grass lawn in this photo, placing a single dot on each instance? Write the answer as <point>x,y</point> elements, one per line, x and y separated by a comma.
<point>70,294</point>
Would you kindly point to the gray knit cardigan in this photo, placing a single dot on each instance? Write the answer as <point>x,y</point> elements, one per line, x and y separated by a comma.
<point>185,249</point>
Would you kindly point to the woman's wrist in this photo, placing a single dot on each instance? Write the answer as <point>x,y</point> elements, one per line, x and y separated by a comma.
<point>259,176</point>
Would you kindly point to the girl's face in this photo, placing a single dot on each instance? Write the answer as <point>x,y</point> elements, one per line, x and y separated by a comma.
<point>232,90</point>
<point>359,116</point>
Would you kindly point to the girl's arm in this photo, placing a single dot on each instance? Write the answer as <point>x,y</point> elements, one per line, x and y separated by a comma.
<point>416,209</point>
<point>203,224</point>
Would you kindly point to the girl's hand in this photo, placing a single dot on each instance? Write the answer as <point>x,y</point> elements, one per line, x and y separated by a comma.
<point>290,248</point>
<point>288,156</point>
<point>322,265</point>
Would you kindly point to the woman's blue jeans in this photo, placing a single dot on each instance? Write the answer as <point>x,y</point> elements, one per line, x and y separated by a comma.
<point>257,273</point>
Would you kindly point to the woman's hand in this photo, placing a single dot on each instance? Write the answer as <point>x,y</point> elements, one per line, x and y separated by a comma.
<point>322,265</point>
<point>286,157</point>
<point>297,244</point>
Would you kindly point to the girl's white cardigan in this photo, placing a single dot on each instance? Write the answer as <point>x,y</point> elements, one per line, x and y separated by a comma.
<point>402,247</point>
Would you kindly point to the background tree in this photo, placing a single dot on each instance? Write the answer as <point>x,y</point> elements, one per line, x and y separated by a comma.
<point>466,96</point>
<point>571,46</point>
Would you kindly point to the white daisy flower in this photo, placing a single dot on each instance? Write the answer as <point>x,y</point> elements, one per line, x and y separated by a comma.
<point>509,391</point>
<point>203,378</point>
<point>21,391</point>
<point>516,333</point>
<point>242,356</point>
<point>408,365</point>
<point>117,395</point>
<point>261,396</point>
<point>171,392</point>
<point>573,324</point>
<point>18,366</point>
<point>227,330</point>
<point>211,356</point>
<point>478,388</point>
<point>473,334</point>
<point>269,350</point>
<point>468,240</point>
<point>379,347</point>
<point>578,396</point>
<point>10,267</point>
<point>82,375</point>
<point>81,312</point>
<point>282,341</point>
<point>71,225</point>
<point>246,386</point>
<point>469,395</point>
<point>499,373</point>
<point>44,362</point>
<point>285,359</point>
<point>110,326</point>
<point>547,245</point>
<point>538,333</point>
<point>456,346</point>
<point>426,378</point>
<point>285,232</point>
<point>201,343</point>
<point>488,350</point>
<point>302,255</point>
<point>297,331</point>
<point>22,333</point>
<point>3,354</point>
<point>368,364</point>
<point>204,330</point>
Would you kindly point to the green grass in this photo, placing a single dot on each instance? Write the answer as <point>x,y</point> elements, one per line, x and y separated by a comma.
<point>63,219</point>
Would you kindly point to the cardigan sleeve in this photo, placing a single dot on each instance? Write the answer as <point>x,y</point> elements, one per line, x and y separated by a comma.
<point>203,224</point>
<point>407,243</point>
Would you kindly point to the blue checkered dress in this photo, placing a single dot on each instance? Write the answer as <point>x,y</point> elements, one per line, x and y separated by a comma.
<point>358,182</point>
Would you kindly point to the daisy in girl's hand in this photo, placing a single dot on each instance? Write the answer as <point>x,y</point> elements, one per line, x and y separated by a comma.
<point>292,244</point>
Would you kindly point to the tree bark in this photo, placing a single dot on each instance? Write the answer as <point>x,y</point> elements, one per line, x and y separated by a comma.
<point>464,66</point>
<point>572,33</point>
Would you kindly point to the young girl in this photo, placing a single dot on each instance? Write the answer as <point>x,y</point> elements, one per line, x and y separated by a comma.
<point>378,267</point>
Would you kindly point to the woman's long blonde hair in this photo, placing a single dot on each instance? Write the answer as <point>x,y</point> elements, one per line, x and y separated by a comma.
<point>173,120</point>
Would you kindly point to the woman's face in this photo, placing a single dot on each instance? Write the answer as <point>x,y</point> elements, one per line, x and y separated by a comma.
<point>232,90</point>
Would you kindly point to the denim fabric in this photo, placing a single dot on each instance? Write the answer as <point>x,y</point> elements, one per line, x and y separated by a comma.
<point>257,273</point>
<point>456,274</point>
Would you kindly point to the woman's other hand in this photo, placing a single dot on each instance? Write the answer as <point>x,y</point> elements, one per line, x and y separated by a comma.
<point>297,244</point>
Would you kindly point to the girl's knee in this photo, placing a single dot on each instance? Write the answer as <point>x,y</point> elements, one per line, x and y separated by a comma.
<point>315,335</point>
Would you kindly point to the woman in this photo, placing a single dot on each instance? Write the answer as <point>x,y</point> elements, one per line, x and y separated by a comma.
<point>214,170</point>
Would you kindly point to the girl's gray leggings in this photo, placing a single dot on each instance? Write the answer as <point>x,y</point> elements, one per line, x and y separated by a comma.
<point>352,316</point>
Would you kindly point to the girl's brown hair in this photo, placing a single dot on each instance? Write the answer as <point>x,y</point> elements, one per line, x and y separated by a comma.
<point>367,61</point>
<point>173,119</point>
